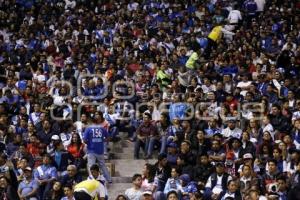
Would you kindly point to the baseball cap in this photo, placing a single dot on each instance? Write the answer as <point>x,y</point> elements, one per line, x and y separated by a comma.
<point>28,169</point>
<point>147,193</point>
<point>231,119</point>
<point>55,137</point>
<point>172,145</point>
<point>247,156</point>
<point>185,178</point>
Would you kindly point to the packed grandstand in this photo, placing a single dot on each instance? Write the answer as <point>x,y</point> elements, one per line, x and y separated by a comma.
<point>207,88</point>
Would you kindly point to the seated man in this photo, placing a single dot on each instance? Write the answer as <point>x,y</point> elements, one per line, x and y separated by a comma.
<point>217,182</point>
<point>72,177</point>
<point>28,188</point>
<point>45,174</point>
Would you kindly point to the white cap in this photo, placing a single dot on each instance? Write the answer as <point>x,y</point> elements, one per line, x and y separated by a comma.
<point>247,156</point>
<point>147,193</point>
<point>55,137</point>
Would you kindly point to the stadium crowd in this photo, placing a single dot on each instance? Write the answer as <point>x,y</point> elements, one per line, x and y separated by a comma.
<point>209,88</point>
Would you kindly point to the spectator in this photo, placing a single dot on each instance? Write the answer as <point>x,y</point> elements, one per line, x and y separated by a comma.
<point>148,178</point>
<point>248,180</point>
<point>202,170</point>
<point>7,191</point>
<point>188,187</point>
<point>216,154</point>
<point>172,154</point>
<point>68,191</point>
<point>162,173</point>
<point>121,197</point>
<point>72,177</point>
<point>271,174</point>
<point>45,175</point>
<point>89,189</point>
<point>59,52</point>
<point>76,149</point>
<point>96,175</point>
<point>62,159</point>
<point>232,130</point>
<point>28,188</point>
<point>135,192</point>
<point>146,136</point>
<point>232,191</point>
<point>173,183</point>
<point>147,195</point>
<point>172,195</point>
<point>55,192</point>
<point>186,159</point>
<point>217,182</point>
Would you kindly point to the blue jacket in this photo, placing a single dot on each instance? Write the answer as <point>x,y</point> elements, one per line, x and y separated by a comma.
<point>95,137</point>
<point>172,184</point>
<point>189,188</point>
<point>177,110</point>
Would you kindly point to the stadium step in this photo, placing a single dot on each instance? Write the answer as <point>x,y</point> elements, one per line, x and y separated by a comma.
<point>117,188</point>
<point>129,167</point>
<point>123,166</point>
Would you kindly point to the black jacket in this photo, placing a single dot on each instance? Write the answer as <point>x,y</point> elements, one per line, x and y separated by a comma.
<point>8,193</point>
<point>202,172</point>
<point>189,162</point>
<point>280,123</point>
<point>237,195</point>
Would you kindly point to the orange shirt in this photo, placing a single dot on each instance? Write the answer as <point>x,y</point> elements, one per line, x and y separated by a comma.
<point>33,149</point>
<point>76,153</point>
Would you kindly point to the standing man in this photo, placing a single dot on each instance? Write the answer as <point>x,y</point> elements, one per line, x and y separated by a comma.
<point>94,137</point>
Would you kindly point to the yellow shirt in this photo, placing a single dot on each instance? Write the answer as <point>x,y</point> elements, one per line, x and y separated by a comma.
<point>92,187</point>
<point>190,63</point>
<point>216,33</point>
<point>163,77</point>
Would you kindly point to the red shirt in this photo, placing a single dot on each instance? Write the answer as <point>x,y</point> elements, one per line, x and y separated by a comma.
<point>75,151</point>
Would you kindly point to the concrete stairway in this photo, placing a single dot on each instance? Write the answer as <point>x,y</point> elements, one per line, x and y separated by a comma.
<point>121,156</point>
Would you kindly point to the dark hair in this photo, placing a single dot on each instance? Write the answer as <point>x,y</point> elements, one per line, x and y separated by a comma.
<point>277,106</point>
<point>203,154</point>
<point>47,155</point>
<point>7,180</point>
<point>68,186</point>
<point>151,169</point>
<point>177,169</point>
<point>166,116</point>
<point>121,195</point>
<point>95,167</point>
<point>135,176</point>
<point>3,155</point>
<point>273,161</point>
<point>277,148</point>
<point>161,156</point>
<point>281,177</point>
<point>78,143</point>
<point>172,192</point>
<point>230,182</point>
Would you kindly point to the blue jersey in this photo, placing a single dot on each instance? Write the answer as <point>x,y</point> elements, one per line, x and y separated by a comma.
<point>94,137</point>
